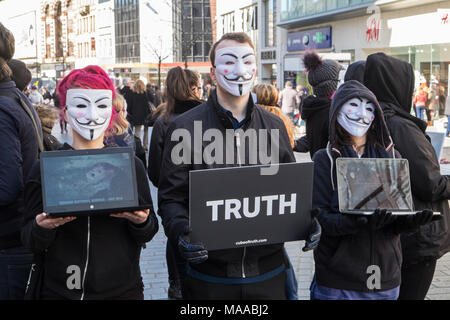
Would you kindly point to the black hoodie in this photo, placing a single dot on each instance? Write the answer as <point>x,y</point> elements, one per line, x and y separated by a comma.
<point>392,81</point>
<point>355,71</point>
<point>344,254</point>
<point>315,112</point>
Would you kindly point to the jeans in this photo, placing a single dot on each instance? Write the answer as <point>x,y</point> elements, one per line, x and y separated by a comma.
<point>420,110</point>
<point>15,265</point>
<point>448,126</point>
<point>138,133</point>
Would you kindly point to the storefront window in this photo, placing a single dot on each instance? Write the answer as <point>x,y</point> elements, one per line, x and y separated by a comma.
<point>296,9</point>
<point>431,65</point>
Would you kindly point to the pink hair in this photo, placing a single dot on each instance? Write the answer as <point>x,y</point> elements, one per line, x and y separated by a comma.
<point>90,77</point>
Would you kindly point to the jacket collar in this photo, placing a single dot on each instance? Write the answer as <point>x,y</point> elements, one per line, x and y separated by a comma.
<point>7,85</point>
<point>183,106</point>
<point>223,117</point>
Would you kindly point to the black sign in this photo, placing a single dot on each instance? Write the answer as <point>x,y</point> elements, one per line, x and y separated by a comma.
<point>240,207</point>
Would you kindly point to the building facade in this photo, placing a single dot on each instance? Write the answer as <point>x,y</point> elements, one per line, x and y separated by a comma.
<point>350,30</point>
<point>192,30</point>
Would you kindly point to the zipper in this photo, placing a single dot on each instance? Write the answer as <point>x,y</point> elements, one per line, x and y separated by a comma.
<point>238,145</point>
<point>29,276</point>
<point>87,256</point>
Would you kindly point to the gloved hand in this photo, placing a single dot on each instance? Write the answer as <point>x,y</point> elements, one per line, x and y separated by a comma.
<point>194,253</point>
<point>421,218</point>
<point>380,219</point>
<point>314,236</point>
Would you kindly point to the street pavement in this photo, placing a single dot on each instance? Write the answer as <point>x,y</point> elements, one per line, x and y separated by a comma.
<point>154,266</point>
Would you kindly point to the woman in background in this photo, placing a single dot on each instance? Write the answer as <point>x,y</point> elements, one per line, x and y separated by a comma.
<point>139,109</point>
<point>180,97</point>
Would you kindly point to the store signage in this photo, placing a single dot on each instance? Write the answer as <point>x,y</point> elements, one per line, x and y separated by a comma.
<point>373,24</point>
<point>319,38</point>
<point>445,18</point>
<point>268,55</point>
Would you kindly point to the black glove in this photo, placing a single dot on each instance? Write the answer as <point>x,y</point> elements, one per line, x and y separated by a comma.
<point>380,219</point>
<point>194,253</point>
<point>421,218</point>
<point>314,236</point>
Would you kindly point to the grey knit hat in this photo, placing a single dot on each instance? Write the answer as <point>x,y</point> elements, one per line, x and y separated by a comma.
<point>323,75</point>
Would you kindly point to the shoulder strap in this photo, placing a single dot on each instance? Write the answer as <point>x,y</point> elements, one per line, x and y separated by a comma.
<point>30,114</point>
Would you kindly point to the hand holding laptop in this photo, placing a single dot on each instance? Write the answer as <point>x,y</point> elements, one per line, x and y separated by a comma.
<point>136,217</point>
<point>44,221</point>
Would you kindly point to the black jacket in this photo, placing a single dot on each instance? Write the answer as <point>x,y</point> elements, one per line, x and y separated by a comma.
<point>113,246</point>
<point>159,136</point>
<point>173,193</point>
<point>19,152</point>
<point>138,108</point>
<point>315,112</point>
<point>392,81</point>
<point>344,254</point>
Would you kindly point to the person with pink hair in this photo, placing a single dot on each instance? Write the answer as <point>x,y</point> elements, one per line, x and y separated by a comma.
<point>94,257</point>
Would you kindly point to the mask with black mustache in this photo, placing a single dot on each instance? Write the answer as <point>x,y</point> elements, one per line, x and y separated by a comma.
<point>89,111</point>
<point>356,116</point>
<point>236,69</point>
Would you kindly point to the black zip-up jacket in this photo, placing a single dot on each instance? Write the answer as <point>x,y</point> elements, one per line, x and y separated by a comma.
<point>17,156</point>
<point>159,136</point>
<point>173,195</point>
<point>105,249</point>
<point>315,112</point>
<point>345,253</point>
<point>392,81</point>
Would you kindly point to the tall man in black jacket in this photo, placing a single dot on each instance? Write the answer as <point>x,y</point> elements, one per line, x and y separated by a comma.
<point>392,81</point>
<point>242,273</point>
<point>18,140</point>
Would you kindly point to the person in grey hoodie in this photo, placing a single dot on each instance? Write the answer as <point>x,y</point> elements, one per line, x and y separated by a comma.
<point>35,97</point>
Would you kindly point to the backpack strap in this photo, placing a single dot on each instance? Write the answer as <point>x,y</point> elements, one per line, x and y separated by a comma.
<point>27,110</point>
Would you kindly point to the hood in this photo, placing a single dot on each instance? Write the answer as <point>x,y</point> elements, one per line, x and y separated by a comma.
<point>355,71</point>
<point>391,80</point>
<point>354,89</point>
<point>314,104</point>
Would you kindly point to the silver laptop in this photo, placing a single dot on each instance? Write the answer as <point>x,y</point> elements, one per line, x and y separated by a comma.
<point>365,185</point>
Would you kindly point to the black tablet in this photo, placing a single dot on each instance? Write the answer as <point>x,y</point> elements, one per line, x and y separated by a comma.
<point>94,181</point>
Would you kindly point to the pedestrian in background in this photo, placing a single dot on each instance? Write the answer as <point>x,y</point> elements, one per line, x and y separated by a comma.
<point>181,91</point>
<point>139,109</point>
<point>267,97</point>
<point>288,100</point>
<point>48,116</point>
<point>20,134</point>
<point>35,97</point>
<point>392,81</point>
<point>420,101</point>
<point>447,113</point>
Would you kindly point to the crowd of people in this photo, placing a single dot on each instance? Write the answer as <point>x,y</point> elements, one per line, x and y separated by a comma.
<point>368,115</point>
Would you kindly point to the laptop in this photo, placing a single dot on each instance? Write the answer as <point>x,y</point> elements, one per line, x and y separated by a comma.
<point>365,185</point>
<point>89,182</point>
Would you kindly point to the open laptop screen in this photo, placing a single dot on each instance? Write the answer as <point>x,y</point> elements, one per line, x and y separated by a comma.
<point>88,179</point>
<point>369,184</point>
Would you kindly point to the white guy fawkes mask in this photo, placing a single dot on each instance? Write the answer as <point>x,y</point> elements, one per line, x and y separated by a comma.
<point>89,111</point>
<point>356,116</point>
<point>235,69</point>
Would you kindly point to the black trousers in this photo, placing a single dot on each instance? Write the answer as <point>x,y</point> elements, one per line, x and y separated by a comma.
<point>271,289</point>
<point>416,279</point>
